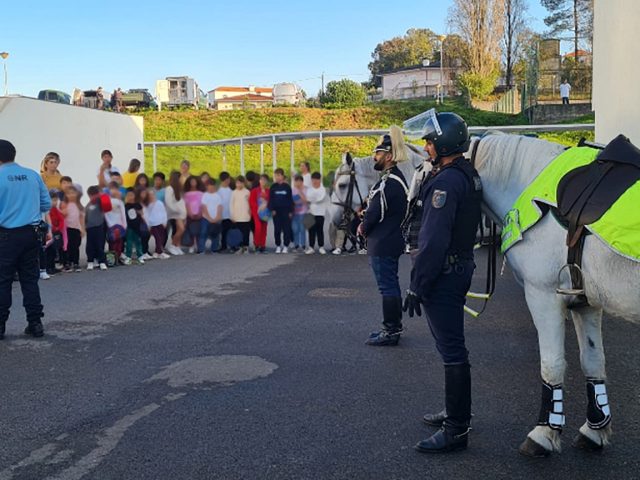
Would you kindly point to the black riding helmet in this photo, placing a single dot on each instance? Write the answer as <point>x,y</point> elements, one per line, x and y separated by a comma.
<point>449,133</point>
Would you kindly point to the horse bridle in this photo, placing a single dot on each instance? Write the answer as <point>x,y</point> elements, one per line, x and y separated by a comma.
<point>353,186</point>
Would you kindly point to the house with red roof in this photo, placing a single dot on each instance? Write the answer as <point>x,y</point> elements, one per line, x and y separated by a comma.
<point>231,98</point>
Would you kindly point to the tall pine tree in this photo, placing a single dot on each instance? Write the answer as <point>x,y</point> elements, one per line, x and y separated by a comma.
<point>575,16</point>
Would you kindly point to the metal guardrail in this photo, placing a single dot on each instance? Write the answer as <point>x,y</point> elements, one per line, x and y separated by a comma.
<point>274,139</point>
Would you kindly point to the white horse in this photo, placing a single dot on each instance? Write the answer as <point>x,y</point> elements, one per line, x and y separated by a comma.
<point>507,164</point>
<point>365,177</point>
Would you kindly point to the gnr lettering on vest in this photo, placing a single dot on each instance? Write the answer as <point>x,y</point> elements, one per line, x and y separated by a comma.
<point>17,178</point>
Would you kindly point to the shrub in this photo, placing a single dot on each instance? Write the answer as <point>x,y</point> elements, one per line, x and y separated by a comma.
<point>477,86</point>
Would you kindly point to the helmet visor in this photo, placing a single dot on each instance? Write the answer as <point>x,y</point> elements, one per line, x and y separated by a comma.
<point>432,129</point>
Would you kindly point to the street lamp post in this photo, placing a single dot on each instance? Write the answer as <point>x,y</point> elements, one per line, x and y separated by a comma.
<point>441,37</point>
<point>4,56</point>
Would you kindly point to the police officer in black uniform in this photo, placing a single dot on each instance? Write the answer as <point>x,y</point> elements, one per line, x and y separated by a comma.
<point>387,206</point>
<point>23,200</point>
<point>451,197</point>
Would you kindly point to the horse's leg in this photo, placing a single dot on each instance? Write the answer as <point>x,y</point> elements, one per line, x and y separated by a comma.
<point>548,312</point>
<point>595,432</point>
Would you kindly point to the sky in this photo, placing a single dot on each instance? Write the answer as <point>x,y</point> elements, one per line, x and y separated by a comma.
<point>66,44</point>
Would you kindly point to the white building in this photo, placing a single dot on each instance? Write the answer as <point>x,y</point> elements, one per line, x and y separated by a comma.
<point>78,135</point>
<point>220,93</point>
<point>419,82</point>
<point>247,101</point>
<point>287,94</point>
<point>616,97</point>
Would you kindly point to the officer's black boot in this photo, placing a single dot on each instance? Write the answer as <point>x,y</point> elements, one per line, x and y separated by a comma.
<point>455,431</point>
<point>35,328</point>
<point>2,327</point>
<point>435,419</point>
<point>391,324</point>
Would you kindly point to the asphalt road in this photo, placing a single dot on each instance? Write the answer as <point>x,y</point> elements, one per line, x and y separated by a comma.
<point>254,367</point>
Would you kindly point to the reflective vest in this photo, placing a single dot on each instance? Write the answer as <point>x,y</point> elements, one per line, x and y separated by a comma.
<point>618,228</point>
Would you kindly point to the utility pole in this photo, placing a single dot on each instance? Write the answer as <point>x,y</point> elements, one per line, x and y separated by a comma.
<point>442,37</point>
<point>322,77</point>
<point>4,56</point>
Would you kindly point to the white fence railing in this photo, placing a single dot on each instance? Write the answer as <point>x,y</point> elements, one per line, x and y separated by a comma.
<point>291,137</point>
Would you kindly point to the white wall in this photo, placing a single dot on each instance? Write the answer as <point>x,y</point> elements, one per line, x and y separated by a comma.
<point>401,84</point>
<point>77,134</point>
<point>616,70</point>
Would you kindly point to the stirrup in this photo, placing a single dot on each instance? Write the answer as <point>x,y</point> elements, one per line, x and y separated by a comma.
<point>571,291</point>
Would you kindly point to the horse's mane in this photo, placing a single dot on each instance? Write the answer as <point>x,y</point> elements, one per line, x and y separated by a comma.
<point>513,158</point>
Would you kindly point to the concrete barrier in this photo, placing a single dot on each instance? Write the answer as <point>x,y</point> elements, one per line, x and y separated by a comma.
<point>77,134</point>
<point>554,113</point>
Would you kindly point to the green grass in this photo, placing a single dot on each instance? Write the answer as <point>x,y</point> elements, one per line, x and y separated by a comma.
<point>589,118</point>
<point>212,125</point>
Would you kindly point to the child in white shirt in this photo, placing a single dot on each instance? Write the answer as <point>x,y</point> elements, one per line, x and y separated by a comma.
<point>116,224</point>
<point>316,196</point>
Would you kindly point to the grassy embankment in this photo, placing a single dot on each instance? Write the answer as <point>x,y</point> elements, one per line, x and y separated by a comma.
<point>208,125</point>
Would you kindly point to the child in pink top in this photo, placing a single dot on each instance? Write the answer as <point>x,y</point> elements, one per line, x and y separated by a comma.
<point>193,192</point>
<point>74,219</point>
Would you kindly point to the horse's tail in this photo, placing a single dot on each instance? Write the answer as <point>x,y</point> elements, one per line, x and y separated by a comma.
<point>397,141</point>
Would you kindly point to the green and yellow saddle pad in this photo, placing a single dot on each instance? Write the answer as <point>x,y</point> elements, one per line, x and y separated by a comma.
<point>619,227</point>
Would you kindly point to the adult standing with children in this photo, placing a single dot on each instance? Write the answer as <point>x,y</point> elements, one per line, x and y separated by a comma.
<point>49,171</point>
<point>23,200</point>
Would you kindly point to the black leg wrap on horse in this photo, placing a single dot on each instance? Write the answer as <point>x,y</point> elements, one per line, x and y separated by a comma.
<point>551,408</point>
<point>598,412</point>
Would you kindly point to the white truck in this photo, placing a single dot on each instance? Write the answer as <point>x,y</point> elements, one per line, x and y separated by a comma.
<point>180,91</point>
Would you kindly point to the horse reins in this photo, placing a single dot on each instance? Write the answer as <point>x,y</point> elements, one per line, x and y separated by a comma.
<point>353,185</point>
<point>491,242</point>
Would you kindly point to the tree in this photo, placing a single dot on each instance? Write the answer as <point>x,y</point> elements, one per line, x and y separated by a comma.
<point>515,23</point>
<point>411,49</point>
<point>455,52</point>
<point>343,93</point>
<point>480,25</point>
<point>575,16</point>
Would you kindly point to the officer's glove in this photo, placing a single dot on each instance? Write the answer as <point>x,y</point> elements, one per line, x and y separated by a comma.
<point>412,304</point>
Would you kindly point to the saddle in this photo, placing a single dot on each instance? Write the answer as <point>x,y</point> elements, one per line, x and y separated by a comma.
<point>586,193</point>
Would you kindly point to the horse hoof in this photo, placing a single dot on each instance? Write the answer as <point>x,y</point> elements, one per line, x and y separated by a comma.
<point>585,443</point>
<point>529,448</point>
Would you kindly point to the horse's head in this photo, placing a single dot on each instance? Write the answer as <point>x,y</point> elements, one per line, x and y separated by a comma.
<point>350,187</point>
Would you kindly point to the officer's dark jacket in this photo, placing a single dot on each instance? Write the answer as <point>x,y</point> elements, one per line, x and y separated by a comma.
<point>384,238</point>
<point>451,200</point>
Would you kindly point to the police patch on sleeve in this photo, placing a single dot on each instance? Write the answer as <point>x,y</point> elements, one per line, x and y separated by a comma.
<point>439,198</point>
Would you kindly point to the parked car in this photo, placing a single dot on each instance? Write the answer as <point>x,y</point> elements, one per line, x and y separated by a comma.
<point>54,96</point>
<point>138,98</point>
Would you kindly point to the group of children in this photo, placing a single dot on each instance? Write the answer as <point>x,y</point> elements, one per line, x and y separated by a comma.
<point>188,212</point>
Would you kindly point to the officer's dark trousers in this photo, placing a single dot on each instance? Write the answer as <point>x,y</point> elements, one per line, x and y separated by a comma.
<point>19,252</point>
<point>444,306</point>
<point>385,269</point>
